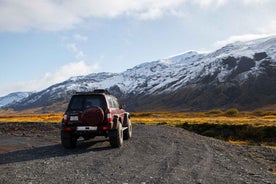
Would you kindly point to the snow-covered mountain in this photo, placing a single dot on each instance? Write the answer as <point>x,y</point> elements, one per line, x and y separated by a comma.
<point>13,97</point>
<point>241,74</point>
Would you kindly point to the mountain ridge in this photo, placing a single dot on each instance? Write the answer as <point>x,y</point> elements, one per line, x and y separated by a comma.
<point>240,74</point>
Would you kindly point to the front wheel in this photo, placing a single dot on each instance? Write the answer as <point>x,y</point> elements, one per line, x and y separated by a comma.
<point>68,140</point>
<point>116,139</point>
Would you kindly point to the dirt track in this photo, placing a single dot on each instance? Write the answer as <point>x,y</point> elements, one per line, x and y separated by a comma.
<point>155,154</point>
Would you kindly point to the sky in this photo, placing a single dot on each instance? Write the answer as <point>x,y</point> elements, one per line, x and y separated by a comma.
<point>44,42</point>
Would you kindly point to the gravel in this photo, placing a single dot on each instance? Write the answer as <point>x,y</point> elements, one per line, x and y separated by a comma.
<point>155,154</point>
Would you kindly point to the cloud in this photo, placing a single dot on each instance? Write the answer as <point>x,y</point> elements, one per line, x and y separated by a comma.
<point>219,3</point>
<point>50,78</point>
<point>80,38</point>
<point>150,14</point>
<point>208,3</point>
<point>18,15</point>
<point>51,15</point>
<point>79,54</point>
<point>71,44</point>
<point>232,39</point>
<point>54,15</point>
<point>269,30</point>
<point>69,70</point>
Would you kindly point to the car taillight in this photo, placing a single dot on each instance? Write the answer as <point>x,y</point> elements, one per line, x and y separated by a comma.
<point>109,118</point>
<point>68,129</point>
<point>105,128</point>
<point>65,118</point>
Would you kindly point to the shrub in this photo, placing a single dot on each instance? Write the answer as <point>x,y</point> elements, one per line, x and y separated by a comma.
<point>232,112</point>
<point>210,133</point>
<point>141,114</point>
<point>259,113</point>
<point>214,112</point>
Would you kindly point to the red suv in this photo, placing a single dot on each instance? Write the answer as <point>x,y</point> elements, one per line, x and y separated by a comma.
<point>96,113</point>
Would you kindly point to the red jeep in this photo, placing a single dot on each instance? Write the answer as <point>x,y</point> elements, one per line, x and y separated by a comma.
<point>96,113</point>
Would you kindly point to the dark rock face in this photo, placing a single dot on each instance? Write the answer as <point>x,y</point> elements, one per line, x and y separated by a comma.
<point>259,56</point>
<point>230,62</point>
<point>245,64</point>
<point>116,91</point>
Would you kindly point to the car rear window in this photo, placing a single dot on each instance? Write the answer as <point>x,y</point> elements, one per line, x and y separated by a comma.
<point>81,102</point>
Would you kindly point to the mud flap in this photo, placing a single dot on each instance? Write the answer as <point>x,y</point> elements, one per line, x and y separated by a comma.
<point>126,117</point>
<point>113,131</point>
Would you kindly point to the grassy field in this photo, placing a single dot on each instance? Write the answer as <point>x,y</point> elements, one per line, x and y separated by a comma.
<point>176,119</point>
<point>48,118</point>
<point>254,118</point>
<point>256,127</point>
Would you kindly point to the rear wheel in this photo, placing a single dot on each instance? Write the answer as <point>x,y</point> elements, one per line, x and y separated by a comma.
<point>68,140</point>
<point>128,131</point>
<point>116,139</point>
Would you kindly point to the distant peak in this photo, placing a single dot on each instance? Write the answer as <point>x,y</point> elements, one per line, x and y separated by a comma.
<point>187,54</point>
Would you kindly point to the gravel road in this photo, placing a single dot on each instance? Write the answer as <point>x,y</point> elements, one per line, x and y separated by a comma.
<point>155,154</point>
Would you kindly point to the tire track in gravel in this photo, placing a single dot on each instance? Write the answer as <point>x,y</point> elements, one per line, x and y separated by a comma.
<point>164,161</point>
<point>202,169</point>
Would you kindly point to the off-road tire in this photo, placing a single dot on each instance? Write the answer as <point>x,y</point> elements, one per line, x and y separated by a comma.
<point>116,140</point>
<point>68,140</point>
<point>128,131</point>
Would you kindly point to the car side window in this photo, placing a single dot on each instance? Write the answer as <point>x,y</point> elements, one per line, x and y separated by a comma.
<point>116,104</point>
<point>110,101</point>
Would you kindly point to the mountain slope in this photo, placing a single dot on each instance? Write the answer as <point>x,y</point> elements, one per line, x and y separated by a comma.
<point>13,97</point>
<point>242,75</point>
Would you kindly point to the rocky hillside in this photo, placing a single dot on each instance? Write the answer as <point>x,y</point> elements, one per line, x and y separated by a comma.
<point>241,75</point>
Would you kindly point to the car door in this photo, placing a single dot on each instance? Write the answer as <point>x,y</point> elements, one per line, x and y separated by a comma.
<point>120,111</point>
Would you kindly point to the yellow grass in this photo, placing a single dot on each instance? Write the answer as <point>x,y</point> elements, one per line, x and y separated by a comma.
<point>49,118</point>
<point>174,119</point>
<point>153,118</point>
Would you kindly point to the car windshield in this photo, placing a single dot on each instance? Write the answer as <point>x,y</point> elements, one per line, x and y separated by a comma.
<point>81,102</point>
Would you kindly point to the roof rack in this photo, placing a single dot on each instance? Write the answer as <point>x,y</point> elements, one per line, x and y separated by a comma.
<point>96,91</point>
<point>101,91</point>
